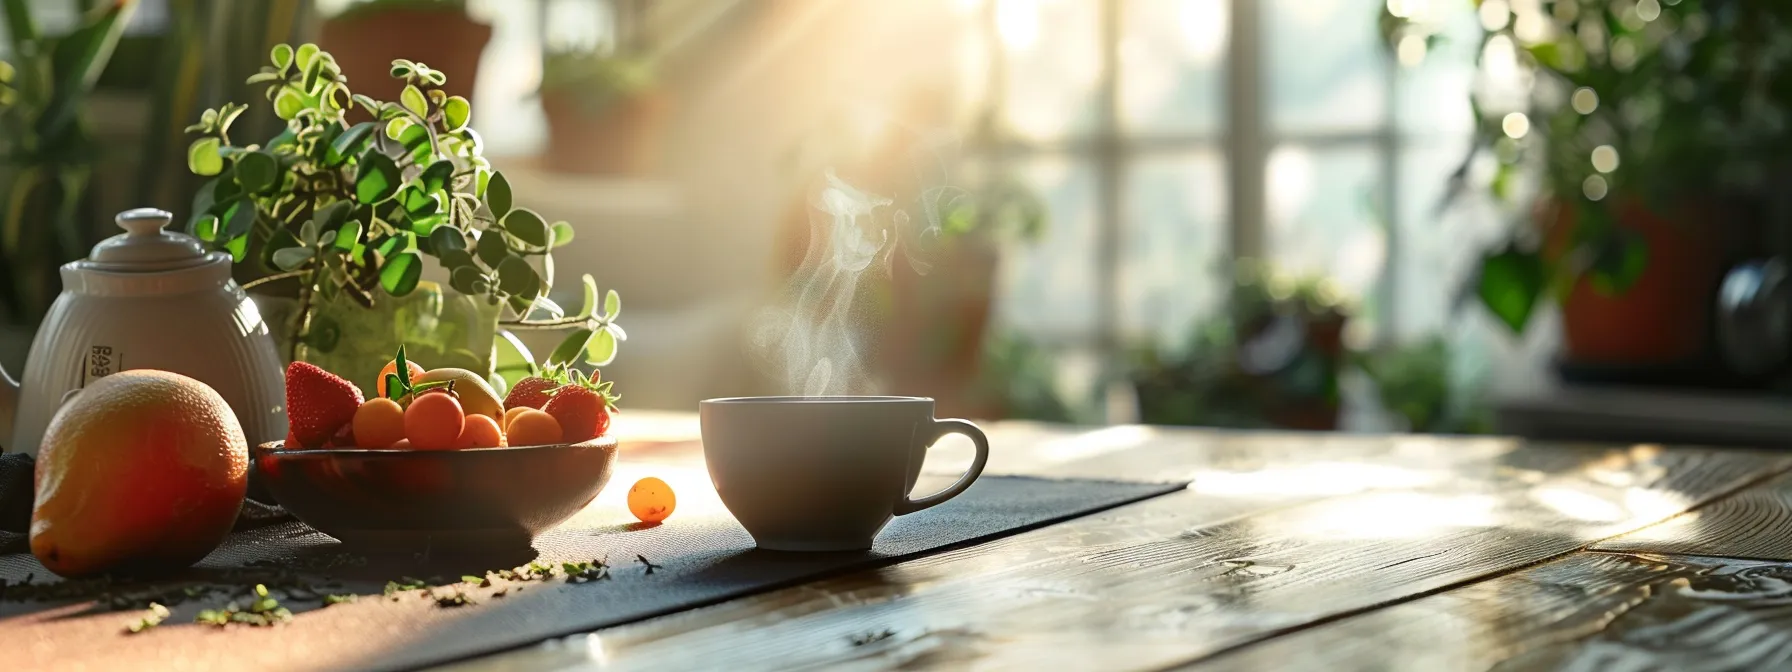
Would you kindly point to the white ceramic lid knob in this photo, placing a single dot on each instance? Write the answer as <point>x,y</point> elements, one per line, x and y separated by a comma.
<point>145,246</point>
<point>144,221</point>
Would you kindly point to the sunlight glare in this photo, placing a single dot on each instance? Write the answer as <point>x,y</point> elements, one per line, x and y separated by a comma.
<point>1098,442</point>
<point>1290,182</point>
<point>1579,505</point>
<point>1412,50</point>
<point>1017,22</point>
<point>1394,515</point>
<point>1204,29</point>
<point>1318,478</point>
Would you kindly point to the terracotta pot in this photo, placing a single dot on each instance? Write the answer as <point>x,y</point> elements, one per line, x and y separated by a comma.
<point>933,340</point>
<point>622,139</point>
<point>1665,317</point>
<point>366,44</point>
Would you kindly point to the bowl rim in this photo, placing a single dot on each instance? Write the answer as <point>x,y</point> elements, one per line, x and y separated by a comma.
<point>277,448</point>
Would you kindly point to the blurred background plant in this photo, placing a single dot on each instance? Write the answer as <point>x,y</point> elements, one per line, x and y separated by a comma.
<point>1418,384</point>
<point>50,154</point>
<point>1657,134</point>
<point>1275,361</point>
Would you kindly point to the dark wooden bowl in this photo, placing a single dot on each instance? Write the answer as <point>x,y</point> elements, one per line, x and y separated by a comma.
<point>476,499</point>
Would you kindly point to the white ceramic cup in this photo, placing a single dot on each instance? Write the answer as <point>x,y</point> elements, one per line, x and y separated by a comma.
<point>825,473</point>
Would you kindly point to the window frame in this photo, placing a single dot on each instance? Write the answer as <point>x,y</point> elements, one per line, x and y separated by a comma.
<point>1244,140</point>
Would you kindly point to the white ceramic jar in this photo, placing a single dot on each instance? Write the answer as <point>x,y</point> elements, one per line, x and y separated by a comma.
<point>148,299</point>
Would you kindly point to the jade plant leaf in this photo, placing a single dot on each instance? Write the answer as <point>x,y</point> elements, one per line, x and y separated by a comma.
<point>569,347</point>
<point>400,273</point>
<point>447,239</point>
<point>497,196</point>
<point>348,235</point>
<point>257,172</point>
<point>1511,283</point>
<point>413,100</point>
<point>378,178</point>
<point>465,280</point>
<point>527,227</point>
<point>455,113</point>
<point>203,157</point>
<point>517,278</point>
<point>288,103</point>
<point>435,177</point>
<point>612,305</point>
<point>349,143</point>
<point>292,257</point>
<point>563,234</point>
<point>601,349</point>
<point>491,249</point>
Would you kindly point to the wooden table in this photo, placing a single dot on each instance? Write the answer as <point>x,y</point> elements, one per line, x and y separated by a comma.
<point>1288,551</point>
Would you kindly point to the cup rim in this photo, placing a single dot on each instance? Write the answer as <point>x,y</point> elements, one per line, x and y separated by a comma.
<point>824,399</point>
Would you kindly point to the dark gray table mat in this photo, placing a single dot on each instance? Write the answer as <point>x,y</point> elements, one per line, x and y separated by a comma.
<point>701,560</point>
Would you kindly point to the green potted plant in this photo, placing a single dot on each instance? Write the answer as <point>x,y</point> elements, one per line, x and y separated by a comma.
<point>939,306</point>
<point>1656,136</point>
<point>1416,385</point>
<point>370,34</point>
<point>342,219</point>
<point>50,156</point>
<point>604,113</point>
<point>1274,361</point>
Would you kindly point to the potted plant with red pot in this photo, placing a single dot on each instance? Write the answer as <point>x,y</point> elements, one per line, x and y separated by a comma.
<point>605,115</point>
<point>370,34</point>
<point>1274,360</point>
<point>1656,134</point>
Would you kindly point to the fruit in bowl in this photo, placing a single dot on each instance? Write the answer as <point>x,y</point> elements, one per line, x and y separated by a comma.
<point>436,461</point>
<point>442,409</point>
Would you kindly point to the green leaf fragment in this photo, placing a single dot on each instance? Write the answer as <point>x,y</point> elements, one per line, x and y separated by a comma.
<point>203,157</point>
<point>569,347</point>
<point>400,273</point>
<point>378,178</point>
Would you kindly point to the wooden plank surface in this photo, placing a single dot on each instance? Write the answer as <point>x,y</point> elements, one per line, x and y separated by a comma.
<point>1236,559</point>
<point>1756,523</point>
<point>1588,611</point>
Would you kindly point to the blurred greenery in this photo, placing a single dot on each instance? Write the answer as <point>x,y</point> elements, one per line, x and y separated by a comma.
<point>372,7</point>
<point>594,80</point>
<point>50,152</point>
<point>1273,360</point>
<point>1688,96</point>
<point>1415,382</point>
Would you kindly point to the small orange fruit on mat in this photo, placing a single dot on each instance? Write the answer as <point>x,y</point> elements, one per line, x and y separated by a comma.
<point>651,500</point>
<point>141,471</point>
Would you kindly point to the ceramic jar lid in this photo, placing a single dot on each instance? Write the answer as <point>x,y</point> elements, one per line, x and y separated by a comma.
<point>146,260</point>
<point>146,247</point>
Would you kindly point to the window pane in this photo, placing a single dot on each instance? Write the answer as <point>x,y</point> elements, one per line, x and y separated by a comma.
<point>1048,287</point>
<point>1434,92</point>
<point>1172,65</point>
<point>1169,275</point>
<point>1054,62</point>
<point>1322,220</point>
<point>1438,249</point>
<point>1326,65</point>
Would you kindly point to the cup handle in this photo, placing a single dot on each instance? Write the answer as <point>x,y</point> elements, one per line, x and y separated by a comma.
<point>940,429</point>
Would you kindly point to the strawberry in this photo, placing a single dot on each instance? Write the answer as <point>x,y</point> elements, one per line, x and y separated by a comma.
<point>531,392</point>
<point>318,404</point>
<point>582,407</point>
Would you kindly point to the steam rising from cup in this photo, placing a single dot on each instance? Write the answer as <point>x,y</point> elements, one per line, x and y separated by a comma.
<point>810,341</point>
